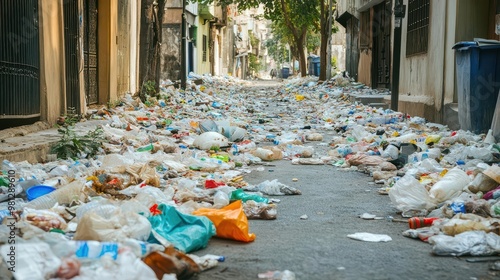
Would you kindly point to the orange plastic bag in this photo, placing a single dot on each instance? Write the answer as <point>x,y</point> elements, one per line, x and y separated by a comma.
<point>230,221</point>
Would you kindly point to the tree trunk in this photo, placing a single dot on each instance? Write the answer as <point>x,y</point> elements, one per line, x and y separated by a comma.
<point>150,44</point>
<point>302,55</point>
<point>299,39</point>
<point>326,34</point>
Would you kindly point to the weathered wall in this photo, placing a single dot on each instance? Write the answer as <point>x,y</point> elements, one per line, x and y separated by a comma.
<point>428,82</point>
<point>352,48</point>
<point>171,52</point>
<point>135,20</point>
<point>52,65</point>
<point>123,55</point>
<point>203,66</point>
<point>422,76</point>
<point>339,47</point>
<point>107,50</point>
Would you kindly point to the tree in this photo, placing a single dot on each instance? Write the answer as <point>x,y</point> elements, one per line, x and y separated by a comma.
<point>150,41</point>
<point>297,15</point>
<point>326,26</point>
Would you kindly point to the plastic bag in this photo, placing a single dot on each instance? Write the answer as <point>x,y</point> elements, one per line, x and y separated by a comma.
<point>207,140</point>
<point>264,211</point>
<point>314,137</point>
<point>475,243</point>
<point>126,267</point>
<point>468,222</point>
<point>221,199</point>
<point>276,188</point>
<point>230,221</point>
<point>409,195</point>
<point>118,226</point>
<point>186,232</point>
<point>31,261</point>
<point>363,159</point>
<point>171,261</point>
<point>44,219</point>
<point>239,194</point>
<point>144,173</point>
<point>360,133</point>
<point>451,185</point>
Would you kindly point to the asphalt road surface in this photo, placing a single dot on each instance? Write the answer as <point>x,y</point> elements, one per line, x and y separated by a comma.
<point>318,247</point>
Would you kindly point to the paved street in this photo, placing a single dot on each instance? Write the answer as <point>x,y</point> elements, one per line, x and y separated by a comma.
<point>318,247</point>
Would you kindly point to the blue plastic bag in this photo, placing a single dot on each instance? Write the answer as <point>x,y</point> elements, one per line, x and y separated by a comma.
<point>187,233</point>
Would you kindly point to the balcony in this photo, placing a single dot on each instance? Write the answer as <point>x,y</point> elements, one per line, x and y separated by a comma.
<point>206,12</point>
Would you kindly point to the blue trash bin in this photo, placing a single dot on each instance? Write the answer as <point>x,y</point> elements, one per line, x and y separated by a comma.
<point>478,83</point>
<point>285,72</point>
<point>316,68</point>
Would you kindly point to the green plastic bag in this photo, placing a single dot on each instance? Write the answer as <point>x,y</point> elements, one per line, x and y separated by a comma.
<point>239,194</point>
<point>187,233</point>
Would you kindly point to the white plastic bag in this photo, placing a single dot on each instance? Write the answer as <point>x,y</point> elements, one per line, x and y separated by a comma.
<point>32,261</point>
<point>370,237</point>
<point>126,267</point>
<point>409,195</point>
<point>450,186</point>
<point>207,140</point>
<point>221,199</point>
<point>276,188</point>
<point>475,243</point>
<point>118,227</point>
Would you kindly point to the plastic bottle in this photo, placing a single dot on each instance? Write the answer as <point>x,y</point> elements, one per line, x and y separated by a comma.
<point>418,222</point>
<point>94,249</point>
<point>214,257</point>
<point>146,148</point>
<point>3,215</point>
<point>263,154</point>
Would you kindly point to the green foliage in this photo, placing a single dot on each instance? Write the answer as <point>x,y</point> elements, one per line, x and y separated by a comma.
<point>113,104</point>
<point>72,145</point>
<point>254,64</point>
<point>277,49</point>
<point>313,41</point>
<point>293,20</point>
<point>148,89</point>
<point>334,62</point>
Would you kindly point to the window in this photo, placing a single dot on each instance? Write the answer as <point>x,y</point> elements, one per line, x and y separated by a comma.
<point>418,27</point>
<point>364,36</point>
<point>204,58</point>
<point>193,30</point>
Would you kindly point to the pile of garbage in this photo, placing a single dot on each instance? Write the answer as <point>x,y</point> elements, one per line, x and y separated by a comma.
<point>170,176</point>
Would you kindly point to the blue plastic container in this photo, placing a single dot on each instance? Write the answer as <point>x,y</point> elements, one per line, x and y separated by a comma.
<point>478,83</point>
<point>37,191</point>
<point>316,68</point>
<point>285,72</point>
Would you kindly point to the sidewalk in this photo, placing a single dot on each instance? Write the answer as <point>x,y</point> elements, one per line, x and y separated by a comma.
<point>33,142</point>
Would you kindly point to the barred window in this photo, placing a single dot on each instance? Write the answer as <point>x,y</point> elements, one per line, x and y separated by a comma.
<point>418,27</point>
<point>204,48</point>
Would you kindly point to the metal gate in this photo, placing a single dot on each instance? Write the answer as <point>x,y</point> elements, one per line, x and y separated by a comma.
<point>71,52</point>
<point>382,45</point>
<point>19,59</point>
<point>90,51</point>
